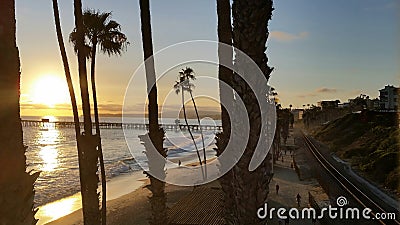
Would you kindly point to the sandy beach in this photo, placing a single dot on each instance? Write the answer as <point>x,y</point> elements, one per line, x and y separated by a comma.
<point>128,195</point>
<point>116,188</point>
<point>132,208</point>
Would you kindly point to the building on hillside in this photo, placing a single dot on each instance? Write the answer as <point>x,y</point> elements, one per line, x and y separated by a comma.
<point>328,104</point>
<point>372,104</point>
<point>364,102</point>
<point>388,98</point>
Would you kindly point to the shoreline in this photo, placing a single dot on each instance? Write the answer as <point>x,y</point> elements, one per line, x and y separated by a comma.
<point>127,186</point>
<point>116,187</point>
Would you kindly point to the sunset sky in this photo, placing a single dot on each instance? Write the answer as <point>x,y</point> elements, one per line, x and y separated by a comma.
<point>321,50</point>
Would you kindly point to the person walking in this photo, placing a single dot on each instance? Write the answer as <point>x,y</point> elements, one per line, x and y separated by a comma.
<point>298,198</point>
<point>277,189</point>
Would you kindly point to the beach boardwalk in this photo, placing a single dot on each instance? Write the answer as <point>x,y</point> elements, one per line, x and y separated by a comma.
<point>201,206</point>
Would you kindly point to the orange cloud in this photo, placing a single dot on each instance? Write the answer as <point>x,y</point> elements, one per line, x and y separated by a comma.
<point>288,37</point>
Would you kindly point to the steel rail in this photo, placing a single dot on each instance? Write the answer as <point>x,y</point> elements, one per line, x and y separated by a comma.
<point>348,186</point>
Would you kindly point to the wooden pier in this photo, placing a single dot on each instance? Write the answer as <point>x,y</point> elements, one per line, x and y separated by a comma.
<point>108,125</point>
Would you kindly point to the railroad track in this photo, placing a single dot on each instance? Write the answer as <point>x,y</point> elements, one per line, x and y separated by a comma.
<point>354,191</point>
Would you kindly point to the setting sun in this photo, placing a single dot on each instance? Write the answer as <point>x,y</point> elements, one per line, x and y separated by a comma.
<point>50,90</point>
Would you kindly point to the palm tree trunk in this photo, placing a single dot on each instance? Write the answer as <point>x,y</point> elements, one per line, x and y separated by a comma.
<point>250,35</point>
<point>70,87</point>
<point>225,56</point>
<point>87,142</point>
<point>66,68</point>
<point>16,185</point>
<point>201,130</point>
<point>187,124</point>
<point>97,124</point>
<point>155,137</point>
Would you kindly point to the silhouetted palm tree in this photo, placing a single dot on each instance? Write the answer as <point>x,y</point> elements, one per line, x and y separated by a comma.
<point>188,73</point>
<point>87,142</point>
<point>225,56</point>
<point>16,185</point>
<point>183,84</point>
<point>67,71</point>
<point>71,92</point>
<point>250,33</point>
<point>106,34</point>
<point>276,144</point>
<point>155,137</point>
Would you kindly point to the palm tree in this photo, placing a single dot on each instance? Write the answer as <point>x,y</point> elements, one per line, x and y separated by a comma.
<point>72,95</point>
<point>188,73</point>
<point>101,32</point>
<point>183,84</point>
<point>155,137</point>
<point>225,56</point>
<point>67,71</point>
<point>87,142</point>
<point>225,74</point>
<point>250,33</point>
<point>16,185</point>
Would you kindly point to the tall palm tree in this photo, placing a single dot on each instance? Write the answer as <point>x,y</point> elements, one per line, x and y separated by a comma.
<point>155,137</point>
<point>225,56</point>
<point>67,71</point>
<point>188,74</point>
<point>183,84</point>
<point>16,185</point>
<point>250,33</point>
<point>87,142</point>
<point>72,95</point>
<point>102,32</point>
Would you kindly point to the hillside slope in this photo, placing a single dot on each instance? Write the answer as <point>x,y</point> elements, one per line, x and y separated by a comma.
<point>369,141</point>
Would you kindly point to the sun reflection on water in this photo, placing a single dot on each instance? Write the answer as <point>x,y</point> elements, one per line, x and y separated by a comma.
<point>49,156</point>
<point>48,139</point>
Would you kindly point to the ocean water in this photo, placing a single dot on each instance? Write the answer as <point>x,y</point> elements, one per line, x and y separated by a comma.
<point>53,152</point>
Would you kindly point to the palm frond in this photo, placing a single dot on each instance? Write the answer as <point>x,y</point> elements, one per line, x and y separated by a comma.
<point>73,40</point>
<point>188,73</point>
<point>177,87</point>
<point>184,77</point>
<point>98,28</point>
<point>115,43</point>
<point>112,25</point>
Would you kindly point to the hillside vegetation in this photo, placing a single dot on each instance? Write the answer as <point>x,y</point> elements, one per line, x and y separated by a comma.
<point>369,141</point>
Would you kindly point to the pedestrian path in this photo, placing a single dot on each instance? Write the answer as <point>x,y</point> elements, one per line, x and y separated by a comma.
<point>289,186</point>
